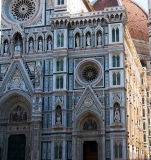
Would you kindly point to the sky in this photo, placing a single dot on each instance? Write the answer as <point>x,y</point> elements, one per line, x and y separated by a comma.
<point>142,3</point>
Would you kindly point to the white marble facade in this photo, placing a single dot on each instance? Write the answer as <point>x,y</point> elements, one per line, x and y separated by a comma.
<point>71,84</point>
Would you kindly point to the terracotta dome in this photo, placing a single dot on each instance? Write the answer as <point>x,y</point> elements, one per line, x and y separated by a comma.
<point>101,4</point>
<point>137,18</point>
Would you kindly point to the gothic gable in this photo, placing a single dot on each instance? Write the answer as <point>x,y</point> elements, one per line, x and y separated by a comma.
<point>88,102</point>
<point>16,78</point>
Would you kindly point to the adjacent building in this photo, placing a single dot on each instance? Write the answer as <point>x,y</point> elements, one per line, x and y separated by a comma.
<point>74,80</point>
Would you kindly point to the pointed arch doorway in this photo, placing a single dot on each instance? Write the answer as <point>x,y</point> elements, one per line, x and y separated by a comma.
<point>90,150</point>
<point>16,147</point>
<point>88,137</point>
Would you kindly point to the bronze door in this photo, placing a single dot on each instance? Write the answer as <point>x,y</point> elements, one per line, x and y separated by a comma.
<point>16,147</point>
<point>90,150</point>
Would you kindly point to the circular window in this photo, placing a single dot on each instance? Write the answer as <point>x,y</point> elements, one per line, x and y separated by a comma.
<point>89,71</point>
<point>22,10</point>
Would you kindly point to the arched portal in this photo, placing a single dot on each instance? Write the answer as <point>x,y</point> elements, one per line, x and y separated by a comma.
<point>15,113</point>
<point>88,137</point>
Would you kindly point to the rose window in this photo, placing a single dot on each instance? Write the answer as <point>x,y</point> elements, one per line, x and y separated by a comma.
<point>89,72</point>
<point>22,10</point>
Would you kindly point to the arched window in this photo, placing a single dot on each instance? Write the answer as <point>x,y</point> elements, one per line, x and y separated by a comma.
<point>58,40</point>
<point>148,110</point>
<point>115,35</point>
<point>143,112</point>
<point>77,40</point>
<point>62,1</point>
<point>144,126</point>
<point>58,115</point>
<point>115,150</point>
<point>58,151</point>
<point>90,125</point>
<point>149,132</point>
<point>120,150</point>
<point>116,78</point>
<point>62,40</point>
<point>58,2</point>
<point>49,43</point>
<point>116,61</point>
<point>59,65</point>
<point>59,82</point>
<point>149,121</point>
<point>117,17</point>
<point>118,153</point>
<point>144,137</point>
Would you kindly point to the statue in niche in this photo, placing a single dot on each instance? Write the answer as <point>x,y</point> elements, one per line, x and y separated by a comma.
<point>49,44</point>
<point>6,47</point>
<point>58,115</point>
<point>18,115</point>
<point>117,118</point>
<point>38,74</point>
<point>88,40</point>
<point>77,41</point>
<point>18,46</point>
<point>40,44</point>
<point>31,46</point>
<point>99,39</point>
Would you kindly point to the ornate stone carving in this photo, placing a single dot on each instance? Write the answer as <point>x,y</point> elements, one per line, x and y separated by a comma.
<point>88,102</point>
<point>59,99</point>
<point>22,10</point>
<point>38,75</point>
<point>116,97</point>
<point>37,102</point>
<point>38,20</point>
<point>16,82</point>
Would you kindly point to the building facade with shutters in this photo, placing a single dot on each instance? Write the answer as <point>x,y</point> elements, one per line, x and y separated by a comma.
<point>72,84</point>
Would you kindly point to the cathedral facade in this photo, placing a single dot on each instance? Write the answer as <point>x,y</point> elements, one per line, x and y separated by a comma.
<point>72,84</point>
